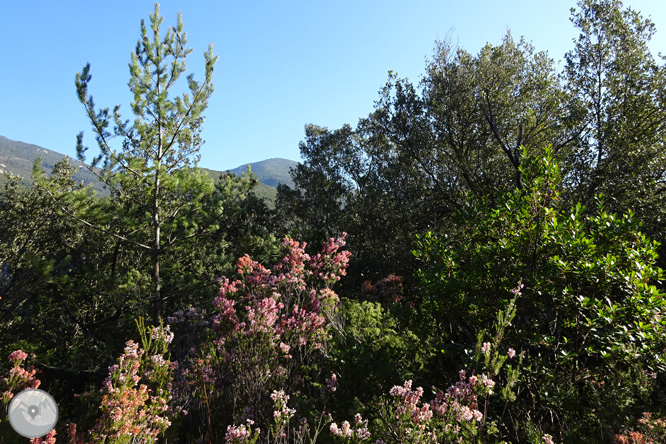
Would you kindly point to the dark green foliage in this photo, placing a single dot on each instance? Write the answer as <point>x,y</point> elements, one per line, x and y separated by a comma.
<point>590,314</point>
<point>617,110</point>
<point>373,350</point>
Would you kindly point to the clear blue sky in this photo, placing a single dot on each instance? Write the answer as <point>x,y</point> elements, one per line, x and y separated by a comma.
<point>282,64</point>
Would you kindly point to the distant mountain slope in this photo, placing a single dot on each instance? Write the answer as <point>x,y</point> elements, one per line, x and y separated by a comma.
<point>271,171</point>
<point>18,157</point>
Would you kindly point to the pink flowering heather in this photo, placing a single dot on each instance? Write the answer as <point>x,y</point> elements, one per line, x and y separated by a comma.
<point>651,429</point>
<point>48,439</point>
<point>285,349</point>
<point>264,320</point>
<point>488,382</point>
<point>516,291</point>
<point>130,410</point>
<point>386,291</point>
<point>162,334</point>
<point>17,356</point>
<point>332,383</point>
<point>19,378</point>
<point>355,434</point>
<point>448,417</point>
<point>242,434</point>
<point>547,439</point>
<point>282,428</point>
<point>511,353</point>
<point>282,414</point>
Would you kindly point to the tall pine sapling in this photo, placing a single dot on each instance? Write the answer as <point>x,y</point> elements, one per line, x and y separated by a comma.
<point>153,178</point>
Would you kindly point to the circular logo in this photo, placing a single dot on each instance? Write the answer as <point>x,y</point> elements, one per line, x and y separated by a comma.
<point>33,413</point>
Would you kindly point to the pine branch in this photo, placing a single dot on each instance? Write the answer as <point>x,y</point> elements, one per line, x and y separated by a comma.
<point>117,236</point>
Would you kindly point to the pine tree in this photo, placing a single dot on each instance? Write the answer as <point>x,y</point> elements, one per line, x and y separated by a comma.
<point>157,190</point>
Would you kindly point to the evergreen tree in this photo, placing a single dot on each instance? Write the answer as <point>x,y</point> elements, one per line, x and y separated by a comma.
<point>157,189</point>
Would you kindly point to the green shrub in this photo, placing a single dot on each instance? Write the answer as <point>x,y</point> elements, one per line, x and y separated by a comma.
<point>591,319</point>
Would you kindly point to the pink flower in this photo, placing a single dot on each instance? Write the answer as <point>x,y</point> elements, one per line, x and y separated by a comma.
<point>49,438</point>
<point>485,348</point>
<point>164,334</point>
<point>240,434</point>
<point>465,413</point>
<point>547,439</point>
<point>512,353</point>
<point>18,355</point>
<point>285,349</point>
<point>346,429</point>
<point>331,384</point>
<point>485,380</point>
<point>357,418</point>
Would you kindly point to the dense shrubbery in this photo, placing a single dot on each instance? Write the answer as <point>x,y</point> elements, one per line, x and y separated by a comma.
<point>485,303</point>
<point>590,320</point>
<point>575,352</point>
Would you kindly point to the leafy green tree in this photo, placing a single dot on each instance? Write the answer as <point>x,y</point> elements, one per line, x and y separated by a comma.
<point>465,129</point>
<point>160,198</point>
<point>617,108</point>
<point>406,168</point>
<point>323,183</point>
<point>590,319</point>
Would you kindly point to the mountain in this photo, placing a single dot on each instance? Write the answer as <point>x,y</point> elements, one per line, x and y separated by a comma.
<point>18,158</point>
<point>270,172</point>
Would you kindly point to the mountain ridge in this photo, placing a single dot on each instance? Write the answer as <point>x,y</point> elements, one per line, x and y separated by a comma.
<point>17,158</point>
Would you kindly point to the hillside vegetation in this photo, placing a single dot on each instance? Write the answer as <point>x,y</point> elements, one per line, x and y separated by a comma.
<point>477,261</point>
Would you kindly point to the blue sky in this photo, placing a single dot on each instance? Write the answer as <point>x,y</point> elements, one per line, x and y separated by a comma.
<point>281,64</point>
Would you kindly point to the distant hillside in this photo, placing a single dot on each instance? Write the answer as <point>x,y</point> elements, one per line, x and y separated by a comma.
<point>18,158</point>
<point>271,171</point>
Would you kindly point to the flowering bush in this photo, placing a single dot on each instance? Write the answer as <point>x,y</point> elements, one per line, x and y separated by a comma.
<point>358,433</point>
<point>19,378</point>
<point>387,290</point>
<point>268,326</point>
<point>651,429</point>
<point>452,416</point>
<point>130,411</point>
<point>280,430</point>
<point>134,407</point>
<point>48,439</point>
<point>457,415</point>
